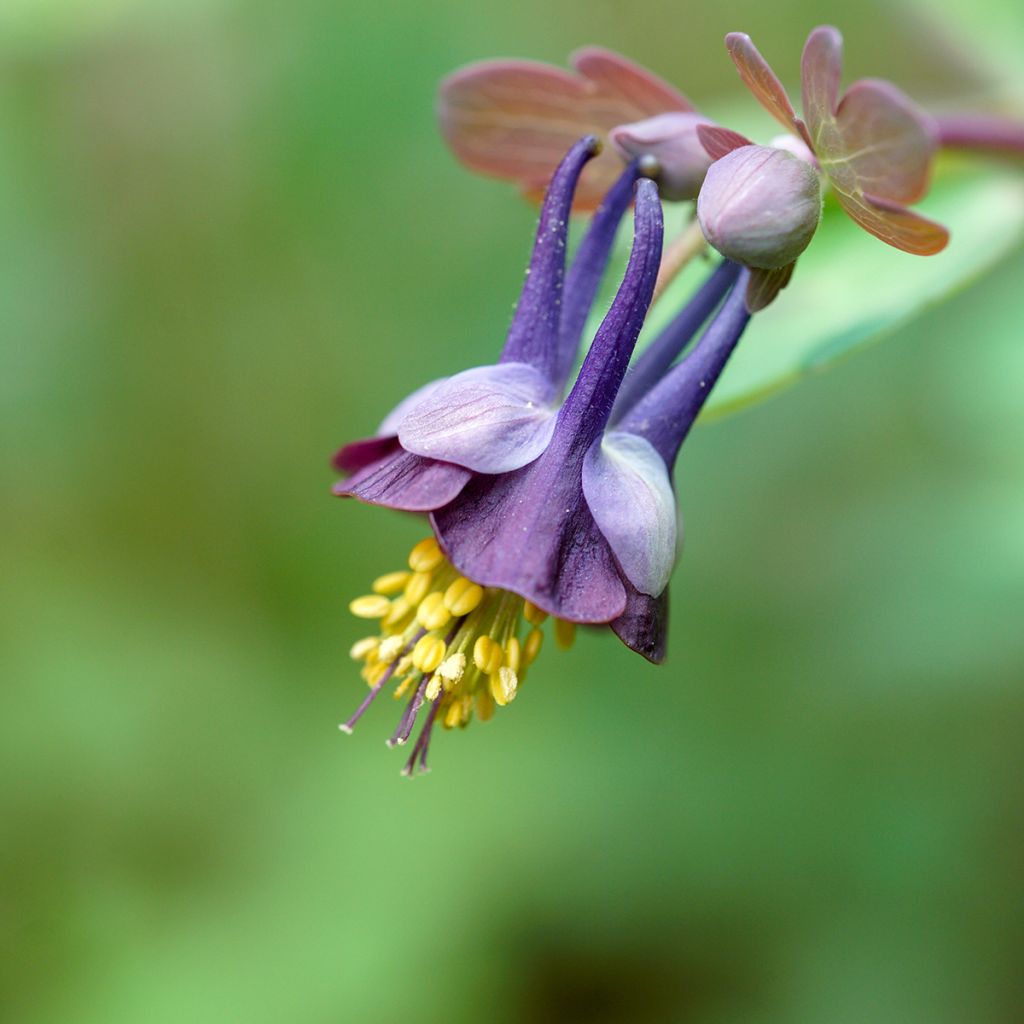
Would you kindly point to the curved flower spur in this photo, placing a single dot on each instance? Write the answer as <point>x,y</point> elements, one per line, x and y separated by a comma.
<point>873,146</point>
<point>541,509</point>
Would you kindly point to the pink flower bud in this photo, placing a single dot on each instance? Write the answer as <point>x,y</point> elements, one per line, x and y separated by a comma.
<point>760,206</point>
<point>672,140</point>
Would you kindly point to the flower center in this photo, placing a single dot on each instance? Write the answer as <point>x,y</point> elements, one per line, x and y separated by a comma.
<point>447,641</point>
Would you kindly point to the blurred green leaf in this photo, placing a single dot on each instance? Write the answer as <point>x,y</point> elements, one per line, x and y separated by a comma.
<point>850,289</point>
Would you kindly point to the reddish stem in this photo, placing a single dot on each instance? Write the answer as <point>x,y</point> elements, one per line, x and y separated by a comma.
<point>992,134</point>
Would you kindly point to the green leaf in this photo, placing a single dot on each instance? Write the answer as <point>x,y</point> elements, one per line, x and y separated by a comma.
<point>849,289</point>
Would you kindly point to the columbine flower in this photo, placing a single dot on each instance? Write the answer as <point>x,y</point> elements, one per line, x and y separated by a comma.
<point>514,119</point>
<point>571,512</point>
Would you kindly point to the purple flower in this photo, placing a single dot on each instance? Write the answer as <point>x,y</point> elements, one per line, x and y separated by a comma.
<point>541,507</point>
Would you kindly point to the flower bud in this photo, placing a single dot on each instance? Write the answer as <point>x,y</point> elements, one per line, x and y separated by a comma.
<point>672,140</point>
<point>760,206</point>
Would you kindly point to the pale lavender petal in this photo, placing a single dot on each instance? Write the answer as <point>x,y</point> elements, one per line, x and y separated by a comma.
<point>643,626</point>
<point>627,487</point>
<point>405,481</point>
<point>491,419</point>
<point>389,427</point>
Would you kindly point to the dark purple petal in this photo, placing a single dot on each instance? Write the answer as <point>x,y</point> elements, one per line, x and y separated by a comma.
<point>587,269</point>
<point>405,481</point>
<point>586,411</point>
<point>655,360</point>
<point>531,531</point>
<point>643,626</point>
<point>358,455</point>
<point>533,336</point>
<point>491,419</point>
<point>664,416</point>
<point>630,496</point>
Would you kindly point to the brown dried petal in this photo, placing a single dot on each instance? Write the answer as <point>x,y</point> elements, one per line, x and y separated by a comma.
<point>895,225</point>
<point>515,119</point>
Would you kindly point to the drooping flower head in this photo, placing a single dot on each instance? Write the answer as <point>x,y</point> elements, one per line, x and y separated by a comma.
<point>540,507</point>
<point>515,119</point>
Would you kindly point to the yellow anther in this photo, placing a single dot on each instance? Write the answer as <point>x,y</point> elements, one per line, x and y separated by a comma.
<point>418,587</point>
<point>463,596</point>
<point>372,673</point>
<point>484,704</point>
<point>428,653</point>
<point>486,655</point>
<point>504,684</point>
<point>433,690</point>
<point>372,606</point>
<point>365,648</point>
<point>512,654</point>
<point>451,670</point>
<point>565,633</point>
<point>453,716</point>
<point>426,556</point>
<point>391,583</point>
<point>432,613</point>
<point>403,687</point>
<point>390,649</point>
<point>534,615</point>
<point>403,665</point>
<point>534,641</point>
<point>398,615</point>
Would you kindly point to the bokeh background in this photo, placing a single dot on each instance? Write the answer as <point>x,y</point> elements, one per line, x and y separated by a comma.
<point>229,239</point>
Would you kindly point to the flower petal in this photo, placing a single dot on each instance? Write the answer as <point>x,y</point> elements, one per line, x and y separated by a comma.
<point>532,532</point>
<point>357,455</point>
<point>515,119</point>
<point>389,426</point>
<point>404,481</point>
<point>881,143</point>
<point>719,142</point>
<point>627,487</point>
<point>820,70</point>
<point>895,225</point>
<point>491,419</point>
<point>643,626</point>
<point>759,78</point>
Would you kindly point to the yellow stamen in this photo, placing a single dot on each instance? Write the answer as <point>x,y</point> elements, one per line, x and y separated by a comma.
<point>451,670</point>
<point>390,649</point>
<point>398,615</point>
<point>453,716</point>
<point>418,587</point>
<point>428,653</point>
<point>534,615</point>
<point>487,655</point>
<point>534,641</point>
<point>565,633</point>
<point>426,556</point>
<point>463,596</point>
<point>403,686</point>
<point>504,684</point>
<point>432,613</point>
<point>372,606</point>
<point>433,689</point>
<point>484,705</point>
<point>512,653</point>
<point>364,648</point>
<point>391,583</point>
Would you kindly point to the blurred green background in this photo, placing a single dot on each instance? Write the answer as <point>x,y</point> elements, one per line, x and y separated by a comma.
<point>230,239</point>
